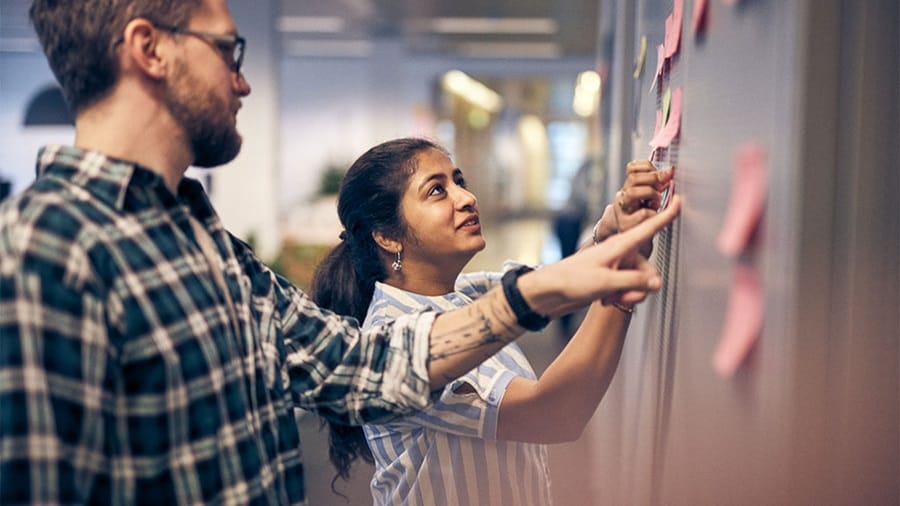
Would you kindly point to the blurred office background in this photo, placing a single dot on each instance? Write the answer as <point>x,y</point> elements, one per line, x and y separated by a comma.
<point>537,99</point>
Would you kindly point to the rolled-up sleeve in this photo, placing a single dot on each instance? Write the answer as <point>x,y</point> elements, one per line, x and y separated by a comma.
<point>350,376</point>
<point>406,374</point>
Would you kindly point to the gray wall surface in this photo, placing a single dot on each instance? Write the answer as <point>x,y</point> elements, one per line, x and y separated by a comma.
<point>811,415</point>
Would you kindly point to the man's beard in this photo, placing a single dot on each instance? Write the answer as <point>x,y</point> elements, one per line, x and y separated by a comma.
<point>207,120</point>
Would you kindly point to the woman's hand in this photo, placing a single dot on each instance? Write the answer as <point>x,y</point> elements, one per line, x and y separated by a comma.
<point>612,271</point>
<point>638,200</point>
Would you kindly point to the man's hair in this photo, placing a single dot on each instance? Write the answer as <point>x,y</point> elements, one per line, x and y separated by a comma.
<point>79,38</point>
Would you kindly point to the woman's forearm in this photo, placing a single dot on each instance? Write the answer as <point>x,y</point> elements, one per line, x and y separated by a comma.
<point>462,339</point>
<point>558,406</point>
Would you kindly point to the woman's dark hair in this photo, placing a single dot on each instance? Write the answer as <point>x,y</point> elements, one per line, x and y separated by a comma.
<point>369,201</point>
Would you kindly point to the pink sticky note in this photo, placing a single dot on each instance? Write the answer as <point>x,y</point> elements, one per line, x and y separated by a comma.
<point>747,201</point>
<point>666,134</point>
<point>743,321</point>
<point>698,22</point>
<point>673,28</point>
<point>668,38</point>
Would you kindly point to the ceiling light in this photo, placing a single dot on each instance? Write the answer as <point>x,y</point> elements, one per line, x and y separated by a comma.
<point>476,92</point>
<point>328,48</point>
<point>311,24</point>
<point>587,93</point>
<point>451,25</point>
<point>509,49</point>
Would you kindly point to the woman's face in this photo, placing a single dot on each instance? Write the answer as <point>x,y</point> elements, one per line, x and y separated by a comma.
<point>441,215</point>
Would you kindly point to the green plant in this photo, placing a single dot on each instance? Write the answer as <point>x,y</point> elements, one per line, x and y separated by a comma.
<point>330,182</point>
<point>297,262</point>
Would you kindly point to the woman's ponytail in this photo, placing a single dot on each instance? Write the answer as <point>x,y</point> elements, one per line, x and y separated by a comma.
<point>369,201</point>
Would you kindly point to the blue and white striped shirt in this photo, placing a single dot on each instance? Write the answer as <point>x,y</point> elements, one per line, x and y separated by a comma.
<point>448,454</point>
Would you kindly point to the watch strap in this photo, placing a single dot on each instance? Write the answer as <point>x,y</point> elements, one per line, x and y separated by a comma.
<point>525,316</point>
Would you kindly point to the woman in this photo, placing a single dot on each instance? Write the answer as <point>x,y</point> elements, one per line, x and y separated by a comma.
<point>410,228</point>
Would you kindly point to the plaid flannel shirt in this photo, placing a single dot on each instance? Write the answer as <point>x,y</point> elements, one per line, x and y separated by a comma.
<point>124,380</point>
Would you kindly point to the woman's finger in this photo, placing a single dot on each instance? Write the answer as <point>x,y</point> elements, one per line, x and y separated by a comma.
<point>630,280</point>
<point>637,166</point>
<point>618,246</point>
<point>632,297</point>
<point>658,179</point>
<point>637,197</point>
<point>628,221</point>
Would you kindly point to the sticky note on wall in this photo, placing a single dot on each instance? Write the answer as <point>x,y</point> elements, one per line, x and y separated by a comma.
<point>672,127</point>
<point>744,316</point>
<point>673,28</point>
<point>642,57</point>
<point>698,23</point>
<point>743,321</point>
<point>747,201</point>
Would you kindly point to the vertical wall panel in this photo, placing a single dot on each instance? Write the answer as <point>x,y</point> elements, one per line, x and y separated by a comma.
<point>811,417</point>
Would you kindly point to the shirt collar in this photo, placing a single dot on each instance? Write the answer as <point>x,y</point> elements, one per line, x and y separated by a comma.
<point>445,302</point>
<point>113,180</point>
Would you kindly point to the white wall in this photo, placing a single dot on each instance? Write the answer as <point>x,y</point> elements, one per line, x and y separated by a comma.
<point>23,75</point>
<point>245,192</point>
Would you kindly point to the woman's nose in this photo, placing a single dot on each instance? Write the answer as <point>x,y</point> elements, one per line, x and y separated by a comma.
<point>465,198</point>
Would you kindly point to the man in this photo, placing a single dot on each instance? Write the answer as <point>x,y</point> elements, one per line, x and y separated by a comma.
<point>148,356</point>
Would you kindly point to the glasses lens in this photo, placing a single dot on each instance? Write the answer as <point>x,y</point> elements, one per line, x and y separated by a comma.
<point>238,54</point>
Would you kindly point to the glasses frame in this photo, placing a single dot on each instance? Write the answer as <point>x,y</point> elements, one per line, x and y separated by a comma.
<point>239,43</point>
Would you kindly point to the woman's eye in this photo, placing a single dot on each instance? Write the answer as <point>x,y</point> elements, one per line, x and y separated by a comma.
<point>436,190</point>
<point>461,183</point>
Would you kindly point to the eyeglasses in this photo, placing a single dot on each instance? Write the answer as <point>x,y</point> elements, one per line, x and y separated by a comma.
<point>230,46</point>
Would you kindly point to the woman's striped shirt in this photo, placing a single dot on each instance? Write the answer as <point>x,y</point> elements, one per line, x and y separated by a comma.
<point>448,454</point>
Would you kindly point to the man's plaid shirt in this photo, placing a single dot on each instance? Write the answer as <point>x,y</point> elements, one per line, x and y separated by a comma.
<point>122,377</point>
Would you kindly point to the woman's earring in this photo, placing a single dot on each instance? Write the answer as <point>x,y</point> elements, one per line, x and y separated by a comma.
<point>398,263</point>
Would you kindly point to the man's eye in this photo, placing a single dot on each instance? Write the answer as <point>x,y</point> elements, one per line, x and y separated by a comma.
<point>226,49</point>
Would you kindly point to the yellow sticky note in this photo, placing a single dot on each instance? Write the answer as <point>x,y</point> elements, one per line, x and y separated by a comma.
<point>642,56</point>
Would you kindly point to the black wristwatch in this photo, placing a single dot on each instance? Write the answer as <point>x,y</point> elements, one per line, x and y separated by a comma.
<point>525,316</point>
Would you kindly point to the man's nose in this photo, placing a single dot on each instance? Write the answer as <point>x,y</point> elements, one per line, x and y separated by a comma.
<point>241,85</point>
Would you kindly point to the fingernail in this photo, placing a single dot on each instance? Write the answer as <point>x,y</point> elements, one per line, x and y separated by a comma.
<point>655,283</point>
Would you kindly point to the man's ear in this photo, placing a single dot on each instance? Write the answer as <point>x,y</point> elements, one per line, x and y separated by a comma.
<point>143,49</point>
<point>392,246</point>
